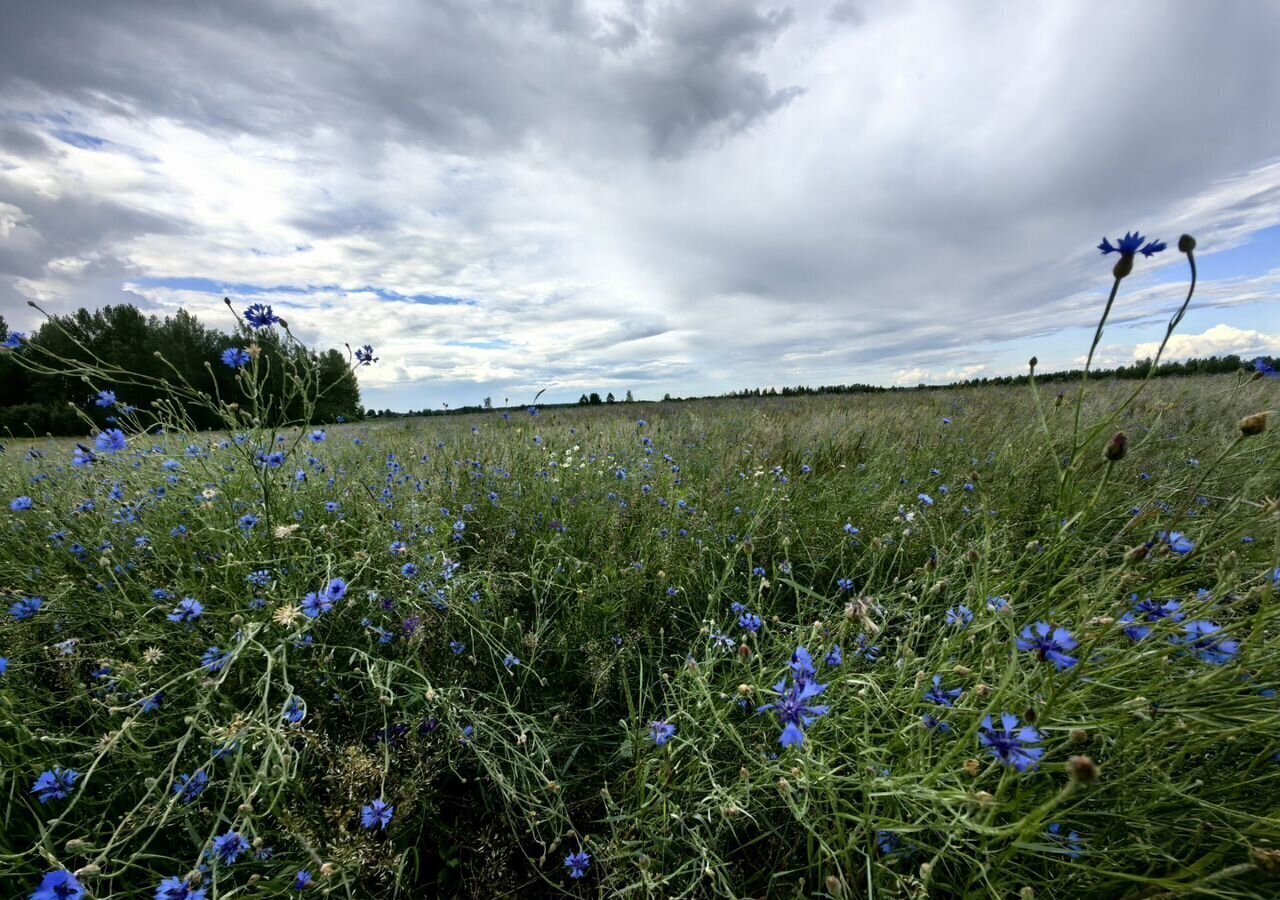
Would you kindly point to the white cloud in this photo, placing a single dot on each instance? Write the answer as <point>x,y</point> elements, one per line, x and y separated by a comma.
<point>1220,340</point>
<point>666,196</point>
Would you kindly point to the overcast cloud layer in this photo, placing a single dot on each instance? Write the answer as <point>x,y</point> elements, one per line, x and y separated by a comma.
<point>686,197</point>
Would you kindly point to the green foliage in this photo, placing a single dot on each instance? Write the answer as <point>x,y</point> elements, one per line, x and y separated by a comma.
<point>142,358</point>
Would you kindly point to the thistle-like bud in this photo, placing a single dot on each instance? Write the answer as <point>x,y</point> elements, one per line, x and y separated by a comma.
<point>1124,265</point>
<point>1083,769</point>
<point>1117,447</point>
<point>1079,736</point>
<point>1033,363</point>
<point>1254,424</point>
<point>972,767</point>
<point>1186,244</point>
<point>1136,554</point>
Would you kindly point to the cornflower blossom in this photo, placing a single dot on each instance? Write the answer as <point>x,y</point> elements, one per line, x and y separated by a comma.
<point>176,888</point>
<point>55,784</point>
<point>577,863</point>
<point>661,732</point>
<point>1011,743</point>
<point>376,814</point>
<point>793,707</point>
<point>1203,638</point>
<point>229,847</point>
<point>1049,643</point>
<point>260,316</point>
<point>187,611</point>
<point>235,358</point>
<point>59,885</point>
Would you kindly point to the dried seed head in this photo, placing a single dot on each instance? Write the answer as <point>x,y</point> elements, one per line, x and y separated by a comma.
<point>972,767</point>
<point>1083,770</point>
<point>1079,736</point>
<point>1253,425</point>
<point>1117,447</point>
<point>1137,554</point>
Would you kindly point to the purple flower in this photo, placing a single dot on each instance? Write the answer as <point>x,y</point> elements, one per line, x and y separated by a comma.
<point>1130,244</point>
<point>260,316</point>
<point>661,732</point>
<point>315,605</point>
<point>1178,542</point>
<point>1050,643</point>
<point>577,863</point>
<point>229,847</point>
<point>188,610</point>
<point>235,357</point>
<point>364,356</point>
<point>1205,641</point>
<point>376,815</point>
<point>793,707</point>
<point>302,880</point>
<point>55,784</point>
<point>59,885</point>
<point>176,888</point>
<point>1010,743</point>
<point>940,695</point>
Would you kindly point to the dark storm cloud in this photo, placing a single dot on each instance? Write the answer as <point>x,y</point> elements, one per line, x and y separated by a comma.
<point>673,188</point>
<point>464,76</point>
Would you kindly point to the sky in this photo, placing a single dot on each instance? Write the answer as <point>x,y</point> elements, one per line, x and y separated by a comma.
<point>689,197</point>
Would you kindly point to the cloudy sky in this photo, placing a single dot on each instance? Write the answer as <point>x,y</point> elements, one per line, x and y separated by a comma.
<point>506,195</point>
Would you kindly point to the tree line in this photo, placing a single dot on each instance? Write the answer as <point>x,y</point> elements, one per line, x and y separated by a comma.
<point>178,348</point>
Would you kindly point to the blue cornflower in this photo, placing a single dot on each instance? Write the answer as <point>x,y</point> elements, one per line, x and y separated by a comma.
<point>1010,743</point>
<point>661,732</point>
<point>1130,244</point>
<point>302,880</point>
<point>577,863</point>
<point>259,578</point>
<point>845,585</point>
<point>296,711</point>
<point>336,589</point>
<point>1050,643</point>
<point>960,615</point>
<point>215,660</point>
<point>318,436</point>
<point>4,665</point>
<point>1262,367</point>
<point>55,784</point>
<point>229,847</point>
<point>315,605</point>
<point>1203,639</point>
<point>235,357</point>
<point>271,460</point>
<point>510,661</point>
<point>1071,842</point>
<point>105,399</point>
<point>110,441</point>
<point>260,316</point>
<point>14,340</point>
<point>377,814</point>
<point>189,787</point>
<point>835,657</point>
<point>152,704</point>
<point>365,357</point>
<point>457,647</point>
<point>793,707</point>
<point>925,499</point>
<point>248,522</point>
<point>176,888</point>
<point>940,695</point>
<point>21,504</point>
<point>188,610</point>
<point>59,885</point>
<point>1178,542</point>
<point>750,622</point>
<point>25,608</point>
<point>82,456</point>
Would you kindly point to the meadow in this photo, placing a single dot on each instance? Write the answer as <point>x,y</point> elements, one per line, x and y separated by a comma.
<point>942,643</point>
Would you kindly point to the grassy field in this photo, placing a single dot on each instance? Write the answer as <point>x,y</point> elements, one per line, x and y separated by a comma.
<point>724,648</point>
